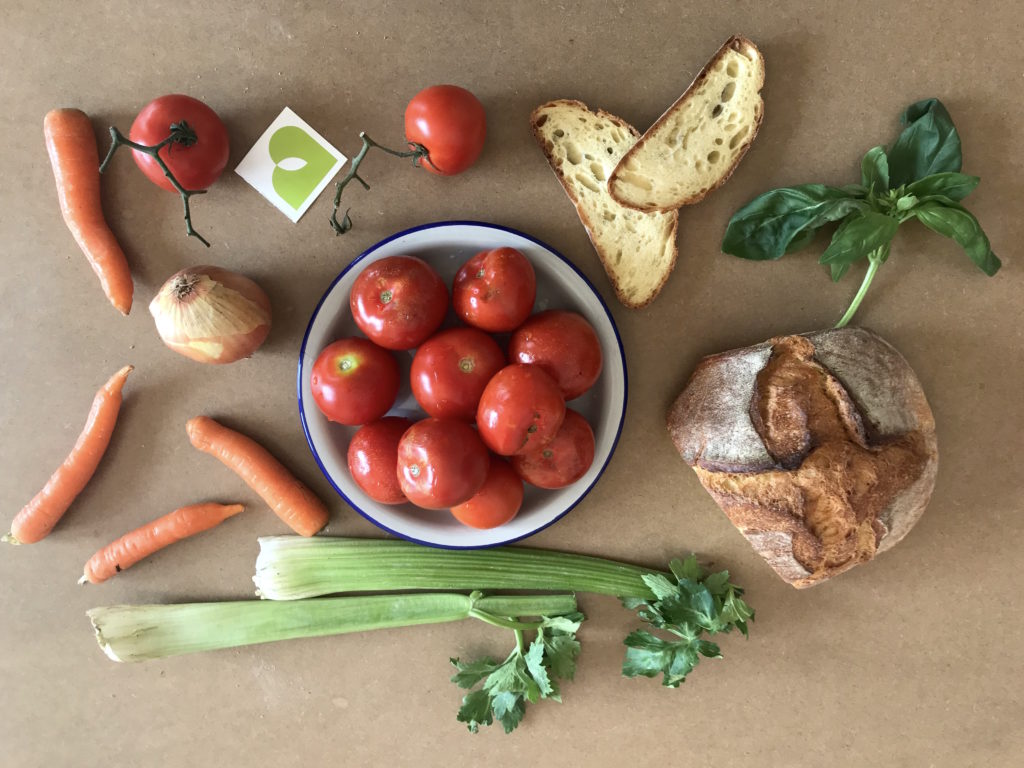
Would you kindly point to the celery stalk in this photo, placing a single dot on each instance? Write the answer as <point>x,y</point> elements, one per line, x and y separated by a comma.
<point>294,567</point>
<point>140,632</point>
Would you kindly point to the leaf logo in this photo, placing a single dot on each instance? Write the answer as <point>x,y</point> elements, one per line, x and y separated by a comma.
<point>300,164</point>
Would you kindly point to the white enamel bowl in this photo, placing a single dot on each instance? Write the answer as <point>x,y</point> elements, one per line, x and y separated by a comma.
<point>446,246</point>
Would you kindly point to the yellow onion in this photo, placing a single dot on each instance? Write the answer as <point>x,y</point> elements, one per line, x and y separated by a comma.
<point>211,315</point>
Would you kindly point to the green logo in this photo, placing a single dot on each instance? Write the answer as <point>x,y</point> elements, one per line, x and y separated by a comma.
<point>300,164</point>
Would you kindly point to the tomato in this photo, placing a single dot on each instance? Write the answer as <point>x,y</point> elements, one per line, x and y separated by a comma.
<point>564,460</point>
<point>399,301</point>
<point>495,290</point>
<point>521,408</point>
<point>450,122</point>
<point>441,463</point>
<point>195,166</point>
<point>562,343</point>
<point>373,459</point>
<point>354,381</point>
<point>451,369</point>
<point>497,501</point>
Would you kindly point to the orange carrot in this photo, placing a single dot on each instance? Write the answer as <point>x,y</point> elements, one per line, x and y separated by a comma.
<point>71,145</point>
<point>154,536</point>
<point>293,502</point>
<point>38,517</point>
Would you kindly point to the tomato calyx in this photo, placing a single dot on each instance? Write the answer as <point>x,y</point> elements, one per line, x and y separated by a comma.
<point>180,133</point>
<point>417,152</point>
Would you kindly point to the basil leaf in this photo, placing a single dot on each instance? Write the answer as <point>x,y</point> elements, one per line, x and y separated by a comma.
<point>837,271</point>
<point>959,224</point>
<point>874,170</point>
<point>955,186</point>
<point>802,240</point>
<point>765,227</point>
<point>929,144</point>
<point>858,236</point>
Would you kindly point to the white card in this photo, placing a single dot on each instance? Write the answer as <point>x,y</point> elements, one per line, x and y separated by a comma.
<point>290,164</point>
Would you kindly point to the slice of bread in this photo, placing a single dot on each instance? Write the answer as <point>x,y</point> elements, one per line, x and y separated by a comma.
<point>695,146</point>
<point>637,250</point>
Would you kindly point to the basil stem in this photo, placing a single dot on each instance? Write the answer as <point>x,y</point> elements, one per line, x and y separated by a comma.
<point>876,258</point>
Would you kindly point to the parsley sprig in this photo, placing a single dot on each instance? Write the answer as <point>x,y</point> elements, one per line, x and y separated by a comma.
<point>687,606</point>
<point>918,178</point>
<point>695,604</point>
<point>529,674</point>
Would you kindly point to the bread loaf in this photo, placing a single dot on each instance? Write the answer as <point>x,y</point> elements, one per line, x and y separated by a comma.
<point>637,250</point>
<point>694,147</point>
<point>820,448</point>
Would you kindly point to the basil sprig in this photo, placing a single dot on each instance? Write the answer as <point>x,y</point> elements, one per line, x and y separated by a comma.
<point>918,178</point>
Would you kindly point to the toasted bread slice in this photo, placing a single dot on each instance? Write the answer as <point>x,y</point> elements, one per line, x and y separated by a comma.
<point>637,250</point>
<point>695,146</point>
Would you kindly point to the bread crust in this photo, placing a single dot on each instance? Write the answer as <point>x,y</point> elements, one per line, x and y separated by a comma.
<point>535,124</point>
<point>870,484</point>
<point>736,43</point>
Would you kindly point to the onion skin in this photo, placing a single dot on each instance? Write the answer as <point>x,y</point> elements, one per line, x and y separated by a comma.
<point>211,315</point>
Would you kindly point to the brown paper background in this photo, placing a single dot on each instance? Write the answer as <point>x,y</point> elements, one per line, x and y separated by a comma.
<point>914,660</point>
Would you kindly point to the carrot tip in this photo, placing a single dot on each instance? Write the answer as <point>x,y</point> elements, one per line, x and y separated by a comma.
<point>84,579</point>
<point>9,538</point>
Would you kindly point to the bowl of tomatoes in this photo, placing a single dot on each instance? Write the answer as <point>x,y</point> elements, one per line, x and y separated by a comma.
<point>461,385</point>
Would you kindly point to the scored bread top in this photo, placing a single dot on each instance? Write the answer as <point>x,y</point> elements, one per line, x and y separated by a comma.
<point>820,448</point>
<point>582,146</point>
<point>714,422</point>
<point>695,146</point>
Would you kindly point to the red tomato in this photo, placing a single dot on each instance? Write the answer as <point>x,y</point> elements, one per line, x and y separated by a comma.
<point>562,343</point>
<point>399,301</point>
<point>564,460</point>
<point>195,166</point>
<point>354,381</point>
<point>451,369</point>
<point>495,290</point>
<point>441,463</point>
<point>373,459</point>
<point>521,408</point>
<point>450,122</point>
<point>497,501</point>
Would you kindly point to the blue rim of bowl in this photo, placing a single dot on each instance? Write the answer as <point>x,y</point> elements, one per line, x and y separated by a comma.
<point>435,225</point>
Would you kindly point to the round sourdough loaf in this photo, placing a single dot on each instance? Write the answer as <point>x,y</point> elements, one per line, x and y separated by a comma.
<point>820,447</point>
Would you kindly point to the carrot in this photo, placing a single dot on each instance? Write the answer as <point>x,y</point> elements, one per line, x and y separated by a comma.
<point>71,145</point>
<point>37,518</point>
<point>154,536</point>
<point>293,502</point>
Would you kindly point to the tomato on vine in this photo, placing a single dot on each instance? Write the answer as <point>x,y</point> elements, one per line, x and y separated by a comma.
<point>195,165</point>
<point>180,144</point>
<point>445,129</point>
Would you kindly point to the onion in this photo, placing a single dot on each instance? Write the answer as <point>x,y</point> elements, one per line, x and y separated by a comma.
<point>211,315</point>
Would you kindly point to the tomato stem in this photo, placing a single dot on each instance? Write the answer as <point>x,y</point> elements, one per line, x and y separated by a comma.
<point>180,133</point>
<point>417,153</point>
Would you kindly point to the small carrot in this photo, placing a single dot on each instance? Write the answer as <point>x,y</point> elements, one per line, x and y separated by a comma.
<point>71,144</point>
<point>154,536</point>
<point>293,502</point>
<point>37,518</point>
